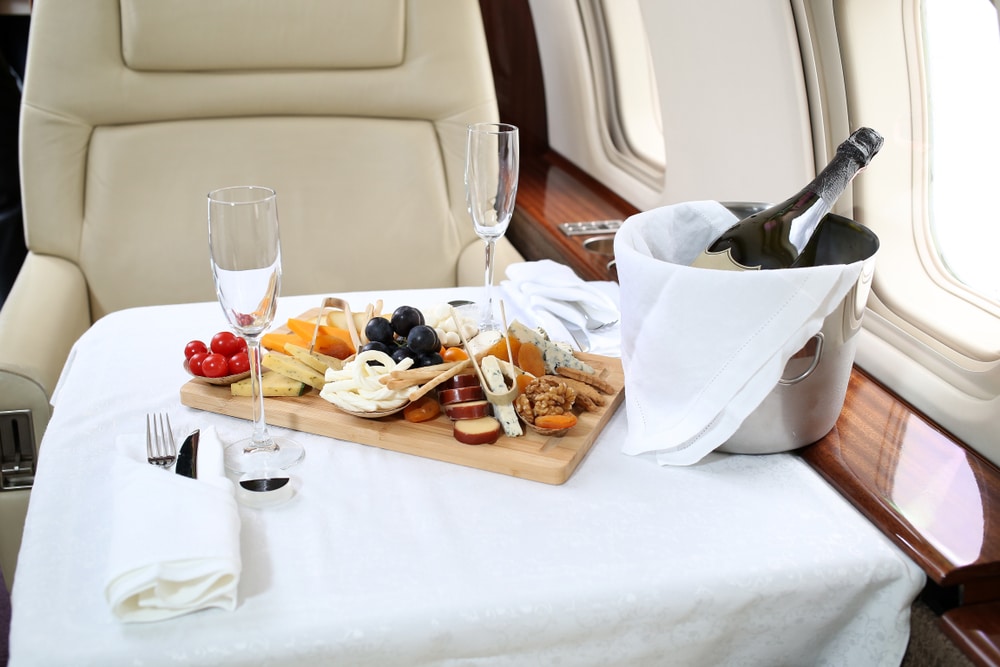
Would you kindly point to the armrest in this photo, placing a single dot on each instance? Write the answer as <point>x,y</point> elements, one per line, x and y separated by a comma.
<point>46,311</point>
<point>472,262</point>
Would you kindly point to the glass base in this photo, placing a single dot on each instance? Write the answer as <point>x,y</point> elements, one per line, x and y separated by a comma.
<point>490,325</point>
<point>242,459</point>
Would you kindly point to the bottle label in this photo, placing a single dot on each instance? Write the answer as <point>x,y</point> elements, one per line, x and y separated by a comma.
<point>723,260</point>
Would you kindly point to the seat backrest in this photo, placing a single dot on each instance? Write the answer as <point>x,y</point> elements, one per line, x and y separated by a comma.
<point>353,111</point>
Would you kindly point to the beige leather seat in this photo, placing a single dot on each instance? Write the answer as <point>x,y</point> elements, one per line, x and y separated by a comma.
<point>133,110</point>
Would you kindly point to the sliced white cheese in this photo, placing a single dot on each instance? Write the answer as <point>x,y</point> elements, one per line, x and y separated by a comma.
<point>553,354</point>
<point>483,341</point>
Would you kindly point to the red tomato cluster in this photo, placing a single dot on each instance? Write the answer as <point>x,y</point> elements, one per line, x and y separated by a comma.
<point>226,354</point>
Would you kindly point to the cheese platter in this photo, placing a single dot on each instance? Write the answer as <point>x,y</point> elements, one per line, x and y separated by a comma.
<point>547,456</point>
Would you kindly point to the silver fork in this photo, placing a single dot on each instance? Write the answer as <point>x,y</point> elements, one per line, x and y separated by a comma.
<point>591,323</point>
<point>160,448</point>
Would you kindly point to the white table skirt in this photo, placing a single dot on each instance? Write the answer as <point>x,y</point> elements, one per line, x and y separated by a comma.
<point>389,559</point>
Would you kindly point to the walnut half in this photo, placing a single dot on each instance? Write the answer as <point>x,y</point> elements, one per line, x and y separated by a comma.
<point>544,396</point>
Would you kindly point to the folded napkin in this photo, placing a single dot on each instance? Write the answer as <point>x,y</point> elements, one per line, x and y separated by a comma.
<point>175,541</point>
<point>702,348</point>
<point>543,292</point>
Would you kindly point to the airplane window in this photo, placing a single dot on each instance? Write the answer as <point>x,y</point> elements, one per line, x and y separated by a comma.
<point>626,94</point>
<point>635,95</point>
<point>962,51</point>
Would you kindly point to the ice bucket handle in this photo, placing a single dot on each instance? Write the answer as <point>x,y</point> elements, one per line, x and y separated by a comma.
<point>818,338</point>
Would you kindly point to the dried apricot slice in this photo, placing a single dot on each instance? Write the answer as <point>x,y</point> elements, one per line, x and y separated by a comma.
<point>499,349</point>
<point>454,354</point>
<point>423,409</point>
<point>530,359</point>
<point>565,420</point>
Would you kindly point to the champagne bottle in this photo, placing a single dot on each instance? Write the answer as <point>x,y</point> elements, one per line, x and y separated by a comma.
<point>776,238</point>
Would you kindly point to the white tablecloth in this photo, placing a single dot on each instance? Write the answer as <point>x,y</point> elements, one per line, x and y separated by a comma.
<point>389,559</point>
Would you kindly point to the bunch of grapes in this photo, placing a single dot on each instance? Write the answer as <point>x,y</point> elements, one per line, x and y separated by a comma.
<point>404,335</point>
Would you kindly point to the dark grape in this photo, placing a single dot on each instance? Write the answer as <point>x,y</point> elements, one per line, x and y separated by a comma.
<point>375,345</point>
<point>427,359</point>
<point>402,352</point>
<point>423,338</point>
<point>379,329</point>
<point>405,318</point>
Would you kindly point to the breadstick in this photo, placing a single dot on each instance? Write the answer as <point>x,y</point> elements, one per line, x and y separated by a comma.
<point>444,375</point>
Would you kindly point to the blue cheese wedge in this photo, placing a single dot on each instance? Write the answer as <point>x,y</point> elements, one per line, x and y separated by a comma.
<point>504,411</point>
<point>554,354</point>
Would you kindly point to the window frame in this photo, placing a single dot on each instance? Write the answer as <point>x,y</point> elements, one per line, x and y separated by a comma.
<point>926,335</point>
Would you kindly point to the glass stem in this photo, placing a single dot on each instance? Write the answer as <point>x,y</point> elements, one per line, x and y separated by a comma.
<point>487,314</point>
<point>260,439</point>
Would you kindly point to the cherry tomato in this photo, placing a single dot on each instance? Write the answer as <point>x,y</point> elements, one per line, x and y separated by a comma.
<point>195,362</point>
<point>225,343</point>
<point>214,366</point>
<point>193,348</point>
<point>241,344</point>
<point>239,363</point>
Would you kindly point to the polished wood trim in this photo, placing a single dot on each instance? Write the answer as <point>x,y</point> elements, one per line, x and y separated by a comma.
<point>551,191</point>
<point>937,500</point>
<point>976,630</point>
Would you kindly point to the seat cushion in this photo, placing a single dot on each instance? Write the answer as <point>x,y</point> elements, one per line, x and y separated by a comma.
<point>332,239</point>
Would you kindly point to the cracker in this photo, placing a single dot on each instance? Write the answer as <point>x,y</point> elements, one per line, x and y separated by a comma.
<point>591,379</point>
<point>582,389</point>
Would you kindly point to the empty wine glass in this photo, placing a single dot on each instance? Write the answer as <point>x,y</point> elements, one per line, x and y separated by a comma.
<point>491,169</point>
<point>245,252</point>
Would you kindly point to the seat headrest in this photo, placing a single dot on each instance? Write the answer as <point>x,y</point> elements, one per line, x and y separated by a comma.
<point>198,35</point>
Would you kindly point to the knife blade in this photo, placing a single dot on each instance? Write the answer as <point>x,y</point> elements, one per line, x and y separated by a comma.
<point>582,341</point>
<point>187,457</point>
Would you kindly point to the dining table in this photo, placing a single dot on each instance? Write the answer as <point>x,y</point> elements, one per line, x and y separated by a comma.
<point>382,557</point>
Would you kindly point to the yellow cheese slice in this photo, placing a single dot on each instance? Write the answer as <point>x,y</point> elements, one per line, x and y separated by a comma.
<point>271,384</point>
<point>315,360</point>
<point>294,369</point>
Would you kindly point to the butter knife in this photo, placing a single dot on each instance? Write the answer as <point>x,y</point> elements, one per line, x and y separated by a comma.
<point>187,457</point>
<point>578,334</point>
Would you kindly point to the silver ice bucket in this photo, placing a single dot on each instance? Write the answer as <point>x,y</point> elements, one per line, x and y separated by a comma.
<point>805,404</point>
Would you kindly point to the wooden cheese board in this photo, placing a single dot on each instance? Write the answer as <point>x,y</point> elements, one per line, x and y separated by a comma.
<point>548,459</point>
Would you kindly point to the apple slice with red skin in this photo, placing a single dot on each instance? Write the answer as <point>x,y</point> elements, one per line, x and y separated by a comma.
<point>467,410</point>
<point>481,431</point>
<point>460,395</point>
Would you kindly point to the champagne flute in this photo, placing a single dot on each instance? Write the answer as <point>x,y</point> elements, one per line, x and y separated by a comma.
<point>245,252</point>
<point>491,169</point>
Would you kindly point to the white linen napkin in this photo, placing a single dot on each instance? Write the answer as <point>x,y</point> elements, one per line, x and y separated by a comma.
<point>542,291</point>
<point>175,541</point>
<point>702,348</point>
